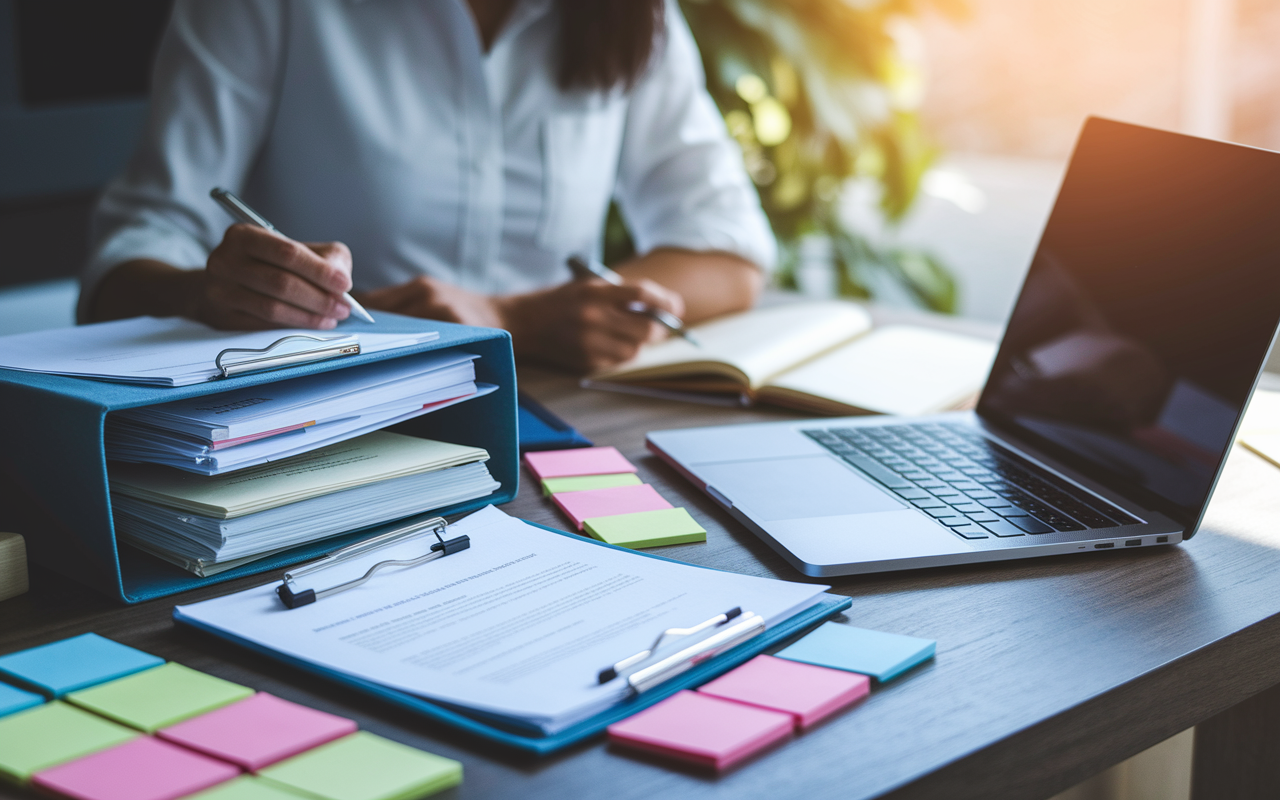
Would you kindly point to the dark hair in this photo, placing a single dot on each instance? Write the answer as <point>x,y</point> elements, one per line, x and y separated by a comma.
<point>607,43</point>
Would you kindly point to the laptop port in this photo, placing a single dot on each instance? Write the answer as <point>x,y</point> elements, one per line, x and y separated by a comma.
<point>1104,545</point>
<point>1162,540</point>
<point>1133,543</point>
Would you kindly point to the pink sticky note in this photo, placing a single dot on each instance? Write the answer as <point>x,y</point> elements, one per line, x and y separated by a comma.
<point>807,692</point>
<point>609,502</point>
<point>258,731</point>
<point>702,729</point>
<point>142,769</point>
<point>581,461</point>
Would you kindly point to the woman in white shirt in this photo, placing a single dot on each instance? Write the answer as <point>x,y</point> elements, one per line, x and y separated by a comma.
<point>454,151</point>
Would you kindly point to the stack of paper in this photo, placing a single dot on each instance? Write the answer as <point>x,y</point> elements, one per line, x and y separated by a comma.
<point>210,524</point>
<point>218,433</point>
<point>167,352</point>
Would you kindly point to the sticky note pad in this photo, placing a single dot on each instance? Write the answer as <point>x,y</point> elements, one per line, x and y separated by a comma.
<point>703,730</point>
<point>581,483</point>
<point>75,663</point>
<point>647,528</point>
<point>883,656</point>
<point>363,766</point>
<point>258,731</point>
<point>249,787</point>
<point>51,734</point>
<point>808,693</point>
<point>159,697</point>
<point>581,506</point>
<point>580,461</point>
<point>143,769</point>
<point>13,699</point>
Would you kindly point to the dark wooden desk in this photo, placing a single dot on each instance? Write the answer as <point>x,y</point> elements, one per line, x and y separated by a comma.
<point>1048,670</point>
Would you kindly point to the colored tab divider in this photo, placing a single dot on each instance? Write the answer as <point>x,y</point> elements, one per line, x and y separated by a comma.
<point>13,699</point>
<point>259,731</point>
<point>159,697</point>
<point>82,661</point>
<point>143,769</point>
<point>581,506</point>
<point>574,463</point>
<point>52,734</point>
<point>581,483</point>
<point>363,766</point>
<point>883,656</point>
<point>665,526</point>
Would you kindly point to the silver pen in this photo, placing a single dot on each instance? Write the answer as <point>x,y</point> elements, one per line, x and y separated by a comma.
<point>243,213</point>
<point>590,268</point>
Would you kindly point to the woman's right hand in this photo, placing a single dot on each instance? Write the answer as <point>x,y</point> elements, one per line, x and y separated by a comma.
<point>259,279</point>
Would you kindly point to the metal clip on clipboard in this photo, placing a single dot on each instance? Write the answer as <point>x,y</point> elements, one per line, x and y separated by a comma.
<point>292,597</point>
<point>749,625</point>
<point>261,360</point>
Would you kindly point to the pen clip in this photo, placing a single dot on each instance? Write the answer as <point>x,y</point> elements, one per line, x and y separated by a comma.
<point>332,347</point>
<point>610,673</point>
<point>749,626</point>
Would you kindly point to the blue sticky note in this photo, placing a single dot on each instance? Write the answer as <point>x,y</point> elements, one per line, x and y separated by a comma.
<point>76,663</point>
<point>12,699</point>
<point>883,656</point>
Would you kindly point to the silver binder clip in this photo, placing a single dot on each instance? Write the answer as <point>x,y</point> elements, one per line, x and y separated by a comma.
<point>262,359</point>
<point>293,597</point>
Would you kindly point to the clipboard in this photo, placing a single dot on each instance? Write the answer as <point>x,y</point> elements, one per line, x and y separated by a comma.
<point>529,740</point>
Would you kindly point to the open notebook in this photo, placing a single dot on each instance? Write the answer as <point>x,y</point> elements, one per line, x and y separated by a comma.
<point>819,357</point>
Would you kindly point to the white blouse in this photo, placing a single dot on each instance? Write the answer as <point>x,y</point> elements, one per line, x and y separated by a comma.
<point>384,124</point>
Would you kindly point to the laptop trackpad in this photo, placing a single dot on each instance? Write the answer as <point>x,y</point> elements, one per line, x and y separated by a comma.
<point>796,488</point>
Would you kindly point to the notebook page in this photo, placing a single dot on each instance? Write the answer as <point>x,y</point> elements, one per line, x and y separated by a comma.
<point>759,343</point>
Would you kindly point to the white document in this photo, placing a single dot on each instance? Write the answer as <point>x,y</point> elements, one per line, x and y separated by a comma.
<point>131,448</point>
<point>369,459</point>
<point>165,352</point>
<point>306,400</point>
<point>517,626</point>
<point>201,538</point>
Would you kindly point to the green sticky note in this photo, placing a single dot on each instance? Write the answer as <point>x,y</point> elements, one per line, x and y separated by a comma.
<point>52,734</point>
<point>581,483</point>
<point>247,787</point>
<point>647,528</point>
<point>363,766</point>
<point>159,697</point>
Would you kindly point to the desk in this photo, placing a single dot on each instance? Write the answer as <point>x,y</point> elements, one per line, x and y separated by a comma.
<point>1048,670</point>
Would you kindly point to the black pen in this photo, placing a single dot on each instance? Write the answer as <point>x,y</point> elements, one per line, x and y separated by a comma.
<point>590,268</point>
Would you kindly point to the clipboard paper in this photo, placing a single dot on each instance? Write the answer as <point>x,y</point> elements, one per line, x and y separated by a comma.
<point>514,734</point>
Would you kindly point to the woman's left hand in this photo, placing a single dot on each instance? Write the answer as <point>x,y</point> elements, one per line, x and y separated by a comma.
<point>434,299</point>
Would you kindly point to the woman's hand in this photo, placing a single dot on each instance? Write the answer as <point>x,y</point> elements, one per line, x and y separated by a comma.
<point>582,325</point>
<point>259,279</point>
<point>254,279</point>
<point>586,325</point>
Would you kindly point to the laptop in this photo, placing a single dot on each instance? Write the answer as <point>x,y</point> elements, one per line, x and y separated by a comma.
<point>1139,335</point>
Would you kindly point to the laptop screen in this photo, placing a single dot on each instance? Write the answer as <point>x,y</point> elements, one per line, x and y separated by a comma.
<point>1147,313</point>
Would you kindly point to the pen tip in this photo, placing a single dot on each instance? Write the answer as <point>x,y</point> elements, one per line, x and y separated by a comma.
<point>607,675</point>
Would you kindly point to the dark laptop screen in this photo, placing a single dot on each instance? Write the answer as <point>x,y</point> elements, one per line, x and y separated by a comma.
<point>1147,313</point>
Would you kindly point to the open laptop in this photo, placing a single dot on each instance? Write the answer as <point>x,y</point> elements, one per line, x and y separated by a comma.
<point>1140,333</point>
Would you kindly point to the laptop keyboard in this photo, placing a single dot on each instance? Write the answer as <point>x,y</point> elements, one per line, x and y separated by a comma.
<point>966,482</point>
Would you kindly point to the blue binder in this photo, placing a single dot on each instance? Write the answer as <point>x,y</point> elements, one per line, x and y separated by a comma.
<point>534,741</point>
<point>53,471</point>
